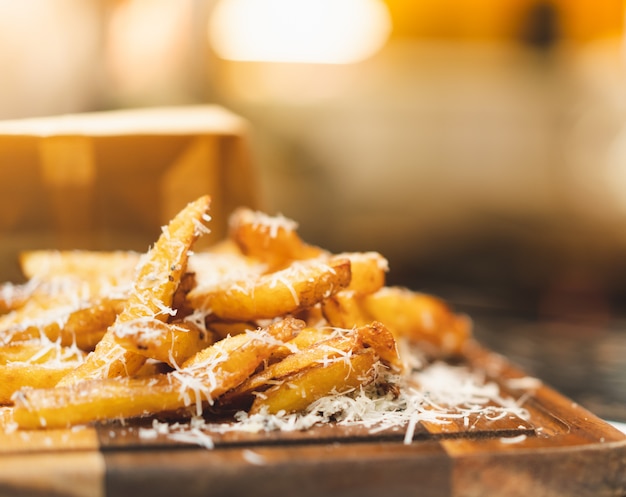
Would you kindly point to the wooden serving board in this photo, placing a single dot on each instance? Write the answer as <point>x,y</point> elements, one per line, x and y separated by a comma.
<point>560,450</point>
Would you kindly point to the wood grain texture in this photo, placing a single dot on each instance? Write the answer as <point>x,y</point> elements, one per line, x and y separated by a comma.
<point>42,441</point>
<point>67,474</point>
<point>363,470</point>
<point>560,450</point>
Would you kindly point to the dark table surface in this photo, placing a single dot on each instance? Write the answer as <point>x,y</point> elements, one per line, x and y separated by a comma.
<point>586,361</point>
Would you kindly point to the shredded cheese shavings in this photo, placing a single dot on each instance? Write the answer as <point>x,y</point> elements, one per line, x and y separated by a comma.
<point>271,223</point>
<point>445,394</point>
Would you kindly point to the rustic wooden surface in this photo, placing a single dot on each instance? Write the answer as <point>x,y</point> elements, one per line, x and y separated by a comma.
<point>562,450</point>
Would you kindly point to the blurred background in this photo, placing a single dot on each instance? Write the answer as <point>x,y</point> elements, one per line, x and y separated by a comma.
<point>479,144</point>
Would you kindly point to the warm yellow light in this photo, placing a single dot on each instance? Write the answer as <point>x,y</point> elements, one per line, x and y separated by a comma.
<point>311,31</point>
<point>147,47</point>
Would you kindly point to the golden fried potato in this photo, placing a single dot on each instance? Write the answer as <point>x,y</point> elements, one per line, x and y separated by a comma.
<point>39,308</point>
<point>369,271</point>
<point>214,269</point>
<point>224,329</point>
<point>307,337</point>
<point>202,379</point>
<point>84,327</point>
<point>39,352</point>
<point>114,268</point>
<point>310,336</point>
<point>298,391</point>
<point>77,277</point>
<point>170,343</point>
<point>341,344</point>
<point>267,339</point>
<point>421,318</point>
<point>270,239</point>
<point>379,338</point>
<point>336,345</point>
<point>158,276</point>
<point>14,296</point>
<point>95,400</point>
<point>38,364</point>
<point>301,285</point>
<point>344,310</point>
<point>17,375</point>
<point>261,321</point>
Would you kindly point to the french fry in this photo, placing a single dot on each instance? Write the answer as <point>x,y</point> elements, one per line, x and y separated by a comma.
<point>226,328</point>
<point>312,316</point>
<point>95,400</point>
<point>202,379</point>
<point>369,270</point>
<point>307,337</point>
<point>310,336</point>
<point>299,390</point>
<point>344,309</point>
<point>301,285</point>
<point>421,318</point>
<point>39,308</point>
<point>341,344</point>
<point>170,343</point>
<point>271,239</point>
<point>36,364</point>
<point>15,376</point>
<point>214,269</point>
<point>158,276</point>
<point>322,352</point>
<point>57,299</point>
<point>261,321</point>
<point>39,352</point>
<point>265,340</point>
<point>114,268</point>
<point>377,336</point>
<point>75,279</point>
<point>13,296</point>
<point>83,327</point>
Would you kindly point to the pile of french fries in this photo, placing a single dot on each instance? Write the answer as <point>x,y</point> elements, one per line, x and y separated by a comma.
<point>261,322</point>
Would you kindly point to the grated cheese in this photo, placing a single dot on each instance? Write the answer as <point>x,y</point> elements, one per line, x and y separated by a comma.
<point>513,440</point>
<point>200,228</point>
<point>263,220</point>
<point>439,393</point>
<point>215,271</point>
<point>253,457</point>
<point>524,383</point>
